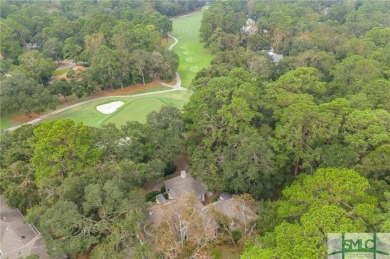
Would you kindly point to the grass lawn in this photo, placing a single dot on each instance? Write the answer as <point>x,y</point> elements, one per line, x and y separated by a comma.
<point>225,252</point>
<point>133,109</point>
<point>5,122</point>
<point>60,72</point>
<point>193,56</point>
<point>154,89</point>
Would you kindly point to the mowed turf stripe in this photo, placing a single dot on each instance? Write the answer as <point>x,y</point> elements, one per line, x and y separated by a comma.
<point>193,56</point>
<point>140,112</point>
<point>124,107</point>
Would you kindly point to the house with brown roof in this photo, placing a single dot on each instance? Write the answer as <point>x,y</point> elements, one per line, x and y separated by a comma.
<point>16,238</point>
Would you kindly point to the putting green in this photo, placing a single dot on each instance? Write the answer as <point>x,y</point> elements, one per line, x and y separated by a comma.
<point>138,110</point>
<point>134,108</point>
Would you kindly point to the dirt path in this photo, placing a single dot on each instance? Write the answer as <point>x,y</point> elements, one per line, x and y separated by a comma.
<point>176,87</point>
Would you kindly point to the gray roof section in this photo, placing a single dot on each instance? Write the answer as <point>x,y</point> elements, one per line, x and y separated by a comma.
<point>277,57</point>
<point>225,196</point>
<point>16,238</point>
<point>160,198</point>
<point>172,193</point>
<point>185,185</point>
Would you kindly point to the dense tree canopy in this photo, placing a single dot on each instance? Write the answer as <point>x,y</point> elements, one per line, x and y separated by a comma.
<point>20,93</point>
<point>330,201</point>
<point>325,104</point>
<point>82,186</point>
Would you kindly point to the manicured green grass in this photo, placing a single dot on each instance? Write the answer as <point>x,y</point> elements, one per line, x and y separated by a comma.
<point>137,110</point>
<point>60,72</point>
<point>193,56</point>
<point>133,109</point>
<point>5,122</point>
<point>225,253</point>
<point>154,89</point>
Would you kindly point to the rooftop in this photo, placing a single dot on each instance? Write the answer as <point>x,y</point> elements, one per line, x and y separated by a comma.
<point>233,209</point>
<point>185,185</point>
<point>161,199</point>
<point>225,196</point>
<point>16,238</point>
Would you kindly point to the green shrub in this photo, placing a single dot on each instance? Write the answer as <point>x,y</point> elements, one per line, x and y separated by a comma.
<point>236,235</point>
<point>151,196</point>
<point>169,169</point>
<point>60,72</point>
<point>217,254</point>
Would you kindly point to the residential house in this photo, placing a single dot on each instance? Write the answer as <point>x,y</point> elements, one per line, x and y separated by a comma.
<point>181,188</point>
<point>16,238</point>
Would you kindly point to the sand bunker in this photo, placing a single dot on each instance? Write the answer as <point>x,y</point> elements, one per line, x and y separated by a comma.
<point>109,107</point>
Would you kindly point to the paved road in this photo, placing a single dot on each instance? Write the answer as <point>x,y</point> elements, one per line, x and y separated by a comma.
<point>175,87</point>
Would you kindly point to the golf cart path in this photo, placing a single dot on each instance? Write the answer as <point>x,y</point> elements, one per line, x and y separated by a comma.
<point>175,87</point>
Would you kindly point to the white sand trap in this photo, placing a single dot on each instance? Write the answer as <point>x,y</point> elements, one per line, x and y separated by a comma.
<point>109,107</point>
